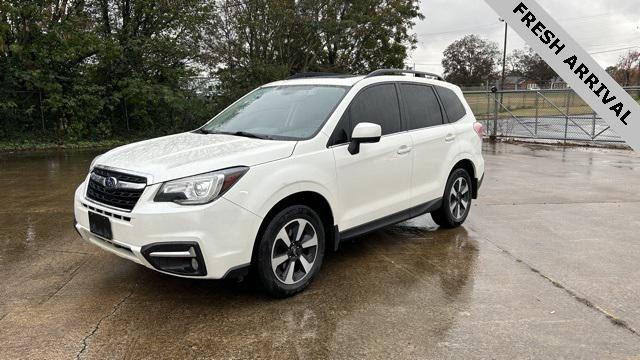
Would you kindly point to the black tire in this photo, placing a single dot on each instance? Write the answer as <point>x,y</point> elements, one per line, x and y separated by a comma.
<point>282,280</point>
<point>452,213</point>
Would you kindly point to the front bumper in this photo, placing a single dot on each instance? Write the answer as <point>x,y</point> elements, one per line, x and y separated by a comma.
<point>223,232</point>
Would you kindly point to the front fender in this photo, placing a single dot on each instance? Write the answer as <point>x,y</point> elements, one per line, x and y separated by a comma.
<point>265,185</point>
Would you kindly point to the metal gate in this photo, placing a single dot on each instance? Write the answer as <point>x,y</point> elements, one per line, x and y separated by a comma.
<point>558,115</point>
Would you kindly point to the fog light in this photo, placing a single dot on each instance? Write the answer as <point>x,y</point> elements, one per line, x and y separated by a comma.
<point>176,258</point>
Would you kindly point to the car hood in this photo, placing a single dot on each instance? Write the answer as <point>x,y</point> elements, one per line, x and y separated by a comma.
<point>176,156</point>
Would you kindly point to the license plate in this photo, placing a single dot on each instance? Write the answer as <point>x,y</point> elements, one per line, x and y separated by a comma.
<point>100,225</point>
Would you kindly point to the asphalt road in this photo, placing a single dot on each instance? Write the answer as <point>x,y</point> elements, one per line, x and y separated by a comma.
<point>546,267</point>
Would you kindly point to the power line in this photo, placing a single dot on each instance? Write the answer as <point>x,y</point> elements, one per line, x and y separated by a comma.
<point>586,17</point>
<point>619,41</point>
<point>499,23</point>
<point>614,50</point>
<point>460,30</point>
<point>599,35</point>
<point>609,46</point>
<point>591,53</point>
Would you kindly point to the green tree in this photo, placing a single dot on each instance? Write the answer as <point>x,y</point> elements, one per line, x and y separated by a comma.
<point>471,60</point>
<point>257,41</point>
<point>90,69</point>
<point>147,49</point>
<point>360,36</point>
<point>78,69</point>
<point>527,63</point>
<point>627,71</point>
<point>45,48</point>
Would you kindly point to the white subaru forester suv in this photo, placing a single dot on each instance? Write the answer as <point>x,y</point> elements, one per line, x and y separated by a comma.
<point>285,174</point>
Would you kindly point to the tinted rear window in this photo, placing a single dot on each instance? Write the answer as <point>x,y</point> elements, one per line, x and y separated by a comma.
<point>423,109</point>
<point>451,103</point>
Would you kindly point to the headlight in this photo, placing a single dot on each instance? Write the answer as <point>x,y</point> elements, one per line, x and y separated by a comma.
<point>200,189</point>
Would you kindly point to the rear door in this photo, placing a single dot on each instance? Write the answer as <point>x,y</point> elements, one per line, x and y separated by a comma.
<point>375,182</point>
<point>432,138</point>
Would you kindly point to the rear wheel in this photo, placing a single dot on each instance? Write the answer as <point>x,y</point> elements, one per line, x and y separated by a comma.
<point>456,201</point>
<point>291,251</point>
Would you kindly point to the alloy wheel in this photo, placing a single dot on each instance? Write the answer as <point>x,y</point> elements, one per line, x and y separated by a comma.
<point>459,198</point>
<point>294,251</point>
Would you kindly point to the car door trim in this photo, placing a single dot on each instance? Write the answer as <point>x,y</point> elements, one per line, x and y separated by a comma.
<point>391,219</point>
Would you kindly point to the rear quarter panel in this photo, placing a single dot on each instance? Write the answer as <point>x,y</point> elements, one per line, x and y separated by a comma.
<point>468,144</point>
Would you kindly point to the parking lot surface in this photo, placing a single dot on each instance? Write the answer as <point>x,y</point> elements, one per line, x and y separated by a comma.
<point>545,267</point>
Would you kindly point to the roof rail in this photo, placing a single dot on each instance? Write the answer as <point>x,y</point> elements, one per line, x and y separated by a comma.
<point>303,75</point>
<point>382,72</point>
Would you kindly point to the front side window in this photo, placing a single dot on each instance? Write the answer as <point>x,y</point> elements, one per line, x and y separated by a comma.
<point>379,105</point>
<point>423,109</point>
<point>290,112</point>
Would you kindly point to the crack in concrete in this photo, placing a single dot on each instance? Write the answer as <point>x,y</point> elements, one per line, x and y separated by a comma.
<point>85,340</point>
<point>73,274</point>
<point>588,303</point>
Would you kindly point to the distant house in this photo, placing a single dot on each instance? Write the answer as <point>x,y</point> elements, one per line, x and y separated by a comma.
<point>519,83</point>
<point>558,83</point>
<point>522,83</point>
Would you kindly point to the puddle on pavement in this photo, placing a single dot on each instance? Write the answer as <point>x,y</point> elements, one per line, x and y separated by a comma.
<point>410,276</point>
<point>404,277</point>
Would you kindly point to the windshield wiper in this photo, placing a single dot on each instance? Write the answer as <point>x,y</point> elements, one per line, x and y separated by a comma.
<point>235,133</point>
<point>202,131</point>
<point>245,134</point>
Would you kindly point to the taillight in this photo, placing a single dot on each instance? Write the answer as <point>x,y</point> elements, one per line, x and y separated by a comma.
<point>479,128</point>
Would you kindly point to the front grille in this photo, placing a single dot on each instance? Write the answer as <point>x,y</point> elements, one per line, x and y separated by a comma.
<point>119,198</point>
<point>120,176</point>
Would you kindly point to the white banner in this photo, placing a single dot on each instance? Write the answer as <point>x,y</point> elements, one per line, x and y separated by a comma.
<point>574,65</point>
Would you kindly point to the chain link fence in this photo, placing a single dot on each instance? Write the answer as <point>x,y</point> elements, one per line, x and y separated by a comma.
<point>551,115</point>
<point>547,115</point>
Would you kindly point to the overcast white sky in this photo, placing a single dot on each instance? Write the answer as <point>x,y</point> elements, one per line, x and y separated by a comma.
<point>597,25</point>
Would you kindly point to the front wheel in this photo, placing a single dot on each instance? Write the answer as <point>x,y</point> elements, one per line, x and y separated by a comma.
<point>456,201</point>
<point>291,251</point>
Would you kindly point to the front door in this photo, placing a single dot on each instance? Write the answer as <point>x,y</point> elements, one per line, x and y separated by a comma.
<point>375,182</point>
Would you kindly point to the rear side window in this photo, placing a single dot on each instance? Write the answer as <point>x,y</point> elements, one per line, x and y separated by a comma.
<point>452,105</point>
<point>423,109</point>
<point>379,105</point>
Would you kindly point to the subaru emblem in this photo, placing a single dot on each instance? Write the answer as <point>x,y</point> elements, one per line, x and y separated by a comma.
<point>110,182</point>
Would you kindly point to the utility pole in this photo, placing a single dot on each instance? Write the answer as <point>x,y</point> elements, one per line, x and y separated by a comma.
<point>504,57</point>
<point>504,69</point>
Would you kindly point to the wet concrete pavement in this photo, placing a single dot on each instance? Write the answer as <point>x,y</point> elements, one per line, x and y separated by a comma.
<point>545,267</point>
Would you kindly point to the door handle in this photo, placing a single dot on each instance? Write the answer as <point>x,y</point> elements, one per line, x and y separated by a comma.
<point>404,149</point>
<point>449,138</point>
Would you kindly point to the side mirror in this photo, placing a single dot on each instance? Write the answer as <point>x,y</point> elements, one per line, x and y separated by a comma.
<point>364,133</point>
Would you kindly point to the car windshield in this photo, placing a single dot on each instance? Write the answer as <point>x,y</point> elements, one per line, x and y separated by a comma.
<point>292,112</point>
